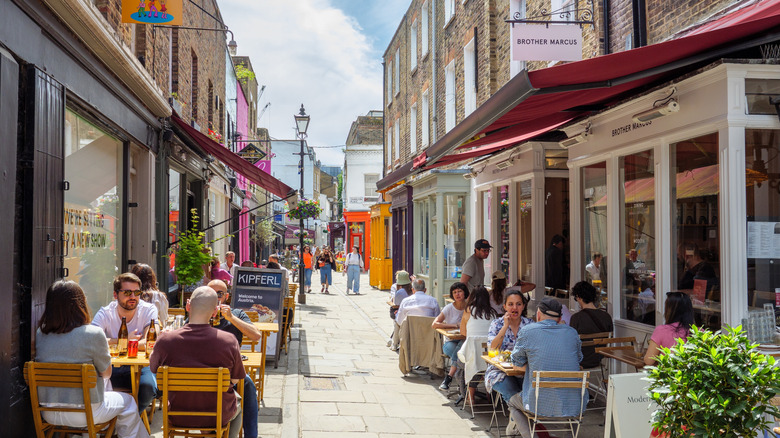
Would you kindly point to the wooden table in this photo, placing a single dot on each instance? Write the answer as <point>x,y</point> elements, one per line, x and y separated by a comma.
<point>451,336</point>
<point>266,328</point>
<point>514,370</point>
<point>630,357</point>
<point>135,364</point>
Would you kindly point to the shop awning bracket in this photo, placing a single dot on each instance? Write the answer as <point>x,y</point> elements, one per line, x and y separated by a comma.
<point>567,15</point>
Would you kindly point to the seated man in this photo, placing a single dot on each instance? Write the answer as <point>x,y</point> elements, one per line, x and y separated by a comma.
<point>237,322</point>
<point>589,320</point>
<point>138,315</point>
<point>198,345</point>
<point>545,346</point>
<point>420,304</point>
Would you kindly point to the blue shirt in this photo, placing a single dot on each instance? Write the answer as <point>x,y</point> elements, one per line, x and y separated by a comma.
<point>549,346</point>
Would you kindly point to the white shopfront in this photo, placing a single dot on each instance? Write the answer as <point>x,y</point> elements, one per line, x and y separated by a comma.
<point>692,188</point>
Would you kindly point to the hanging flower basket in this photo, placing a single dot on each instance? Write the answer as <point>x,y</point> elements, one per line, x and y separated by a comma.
<point>306,209</point>
<point>297,233</point>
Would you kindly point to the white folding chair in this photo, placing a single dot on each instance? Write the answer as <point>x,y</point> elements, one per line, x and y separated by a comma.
<point>553,382</point>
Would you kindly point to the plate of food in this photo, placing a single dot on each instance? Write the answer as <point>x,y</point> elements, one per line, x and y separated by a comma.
<point>264,314</point>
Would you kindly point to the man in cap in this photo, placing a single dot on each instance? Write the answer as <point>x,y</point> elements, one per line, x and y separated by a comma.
<point>473,274</point>
<point>545,346</point>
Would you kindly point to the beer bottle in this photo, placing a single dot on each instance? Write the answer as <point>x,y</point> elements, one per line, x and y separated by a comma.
<point>122,338</point>
<point>151,338</point>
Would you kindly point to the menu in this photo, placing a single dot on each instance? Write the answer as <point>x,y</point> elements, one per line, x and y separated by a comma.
<point>261,290</point>
<point>763,240</point>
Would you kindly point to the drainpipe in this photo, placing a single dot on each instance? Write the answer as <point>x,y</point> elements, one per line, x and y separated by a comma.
<point>433,70</point>
<point>605,11</point>
<point>640,22</point>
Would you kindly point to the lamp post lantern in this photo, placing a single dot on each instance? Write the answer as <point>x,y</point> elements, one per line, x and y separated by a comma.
<point>301,125</point>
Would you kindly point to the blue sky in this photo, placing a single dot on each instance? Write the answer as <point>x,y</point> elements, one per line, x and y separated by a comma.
<point>326,54</point>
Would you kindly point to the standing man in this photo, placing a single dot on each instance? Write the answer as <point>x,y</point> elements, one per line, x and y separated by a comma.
<point>420,304</point>
<point>354,264</point>
<point>238,323</point>
<point>473,274</point>
<point>138,315</point>
<point>230,258</point>
<point>554,270</point>
<point>545,346</point>
<point>198,345</point>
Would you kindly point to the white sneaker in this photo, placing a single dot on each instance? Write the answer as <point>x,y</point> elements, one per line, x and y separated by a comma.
<point>511,428</point>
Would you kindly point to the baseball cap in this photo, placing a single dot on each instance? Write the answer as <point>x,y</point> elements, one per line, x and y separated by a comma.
<point>550,307</point>
<point>499,275</point>
<point>482,244</point>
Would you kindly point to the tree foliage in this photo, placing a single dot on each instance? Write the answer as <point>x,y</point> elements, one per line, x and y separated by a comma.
<point>713,385</point>
<point>263,232</point>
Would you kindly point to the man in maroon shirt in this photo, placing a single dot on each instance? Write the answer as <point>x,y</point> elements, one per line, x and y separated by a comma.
<point>198,345</point>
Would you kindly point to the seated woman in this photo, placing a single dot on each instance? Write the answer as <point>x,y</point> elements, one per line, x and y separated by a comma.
<point>65,335</point>
<point>150,292</point>
<point>589,320</point>
<point>450,318</point>
<point>678,314</point>
<point>502,336</point>
<point>475,326</point>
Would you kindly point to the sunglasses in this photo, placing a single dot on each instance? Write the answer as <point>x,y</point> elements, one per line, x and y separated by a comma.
<point>220,294</point>
<point>129,293</point>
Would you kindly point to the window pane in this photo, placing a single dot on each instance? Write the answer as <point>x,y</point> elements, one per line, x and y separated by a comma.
<point>524,244</point>
<point>93,214</point>
<point>454,234</point>
<point>487,219</point>
<point>696,242</point>
<point>762,169</point>
<point>425,221</point>
<point>594,220</point>
<point>637,237</point>
<point>502,248</point>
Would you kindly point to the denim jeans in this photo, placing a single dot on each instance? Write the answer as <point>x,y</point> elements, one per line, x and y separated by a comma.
<point>353,278</point>
<point>508,387</point>
<point>326,275</point>
<point>307,277</point>
<point>147,389</point>
<point>450,348</point>
<point>250,408</point>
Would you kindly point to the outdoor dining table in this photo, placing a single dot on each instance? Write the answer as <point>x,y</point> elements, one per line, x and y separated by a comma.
<point>630,357</point>
<point>451,334</point>
<point>266,328</point>
<point>507,368</point>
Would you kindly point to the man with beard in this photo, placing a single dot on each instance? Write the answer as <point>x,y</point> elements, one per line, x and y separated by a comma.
<point>138,315</point>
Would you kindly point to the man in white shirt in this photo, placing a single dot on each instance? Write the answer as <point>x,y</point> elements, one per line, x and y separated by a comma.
<point>138,316</point>
<point>594,267</point>
<point>230,258</point>
<point>420,304</point>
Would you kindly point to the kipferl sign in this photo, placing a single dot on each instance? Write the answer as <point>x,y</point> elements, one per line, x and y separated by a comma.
<point>261,290</point>
<point>554,42</point>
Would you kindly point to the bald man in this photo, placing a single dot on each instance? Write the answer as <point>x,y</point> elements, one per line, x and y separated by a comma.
<point>198,345</point>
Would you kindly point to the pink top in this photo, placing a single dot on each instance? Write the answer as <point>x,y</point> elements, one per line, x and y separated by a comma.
<point>221,274</point>
<point>666,335</point>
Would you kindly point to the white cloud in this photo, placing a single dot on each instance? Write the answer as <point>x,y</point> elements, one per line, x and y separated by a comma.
<point>307,51</point>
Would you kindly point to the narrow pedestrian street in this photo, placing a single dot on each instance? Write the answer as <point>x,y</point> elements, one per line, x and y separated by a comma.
<point>339,379</point>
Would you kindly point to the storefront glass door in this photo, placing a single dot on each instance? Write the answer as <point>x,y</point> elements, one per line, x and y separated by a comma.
<point>594,220</point>
<point>502,247</point>
<point>524,241</point>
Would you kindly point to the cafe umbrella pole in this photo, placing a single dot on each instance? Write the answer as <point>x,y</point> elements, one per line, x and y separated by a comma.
<point>301,125</point>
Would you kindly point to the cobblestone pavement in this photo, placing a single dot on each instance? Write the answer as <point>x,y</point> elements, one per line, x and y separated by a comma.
<point>339,379</point>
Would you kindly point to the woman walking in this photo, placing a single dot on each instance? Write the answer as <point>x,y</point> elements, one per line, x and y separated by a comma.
<point>354,264</point>
<point>307,259</point>
<point>327,264</point>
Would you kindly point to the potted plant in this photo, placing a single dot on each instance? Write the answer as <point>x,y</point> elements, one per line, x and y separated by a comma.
<point>192,255</point>
<point>713,385</point>
<point>307,208</point>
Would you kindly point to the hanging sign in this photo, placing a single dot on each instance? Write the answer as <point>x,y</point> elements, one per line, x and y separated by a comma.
<point>251,153</point>
<point>555,42</point>
<point>153,12</point>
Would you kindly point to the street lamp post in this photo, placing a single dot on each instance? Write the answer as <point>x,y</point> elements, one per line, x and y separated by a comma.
<point>301,125</point>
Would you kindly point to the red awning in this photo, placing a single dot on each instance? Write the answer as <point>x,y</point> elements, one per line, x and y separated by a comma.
<point>234,161</point>
<point>547,96</point>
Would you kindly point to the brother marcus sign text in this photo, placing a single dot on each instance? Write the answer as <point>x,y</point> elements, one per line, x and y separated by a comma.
<point>556,42</point>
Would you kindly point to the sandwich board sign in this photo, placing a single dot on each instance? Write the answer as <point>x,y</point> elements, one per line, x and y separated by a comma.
<point>263,291</point>
<point>629,406</point>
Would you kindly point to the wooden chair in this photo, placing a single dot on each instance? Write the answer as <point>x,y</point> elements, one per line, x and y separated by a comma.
<point>176,311</point>
<point>60,375</point>
<point>216,380</point>
<point>552,382</point>
<point>288,315</point>
<point>293,288</point>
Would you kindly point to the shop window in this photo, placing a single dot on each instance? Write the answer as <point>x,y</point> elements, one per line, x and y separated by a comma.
<point>503,245</point>
<point>757,95</point>
<point>425,236</point>
<point>556,159</point>
<point>594,223</point>
<point>454,235</point>
<point>637,237</point>
<point>93,211</point>
<point>696,239</point>
<point>524,241</point>
<point>762,174</point>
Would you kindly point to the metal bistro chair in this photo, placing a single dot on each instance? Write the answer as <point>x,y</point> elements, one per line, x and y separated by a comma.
<point>216,380</point>
<point>589,340</point>
<point>475,382</point>
<point>60,375</point>
<point>550,381</point>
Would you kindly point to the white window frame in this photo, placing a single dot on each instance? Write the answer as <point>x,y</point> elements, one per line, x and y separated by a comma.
<point>449,11</point>
<point>424,24</point>
<point>469,78</point>
<point>390,82</point>
<point>389,150</point>
<point>369,180</point>
<point>413,128</point>
<point>396,138</point>
<point>397,70</point>
<point>413,47</point>
<point>426,120</point>
<point>449,96</point>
